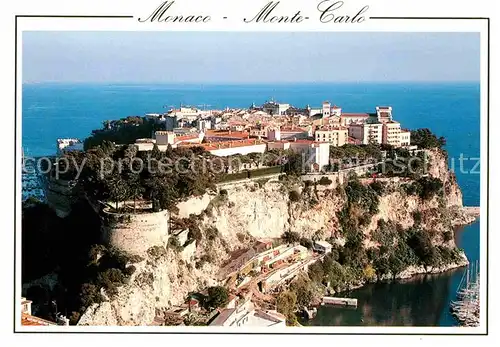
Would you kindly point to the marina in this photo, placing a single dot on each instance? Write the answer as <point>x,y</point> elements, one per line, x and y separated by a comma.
<point>466,308</point>
<point>31,184</point>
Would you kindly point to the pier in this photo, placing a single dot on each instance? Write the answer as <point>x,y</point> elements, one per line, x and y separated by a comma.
<point>330,300</point>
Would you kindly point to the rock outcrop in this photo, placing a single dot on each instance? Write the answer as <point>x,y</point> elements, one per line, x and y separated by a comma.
<point>253,210</point>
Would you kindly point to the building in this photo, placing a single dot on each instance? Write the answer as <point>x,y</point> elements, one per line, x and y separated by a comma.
<point>405,137</point>
<point>335,136</point>
<point>384,114</point>
<point>68,145</point>
<point>275,109</point>
<point>366,132</point>
<point>322,247</point>
<point>204,124</point>
<point>325,110</point>
<point>391,133</point>
<point>347,119</point>
<point>316,155</point>
<point>27,319</point>
<point>313,111</point>
<point>242,147</point>
<point>247,315</point>
<point>273,134</point>
<point>293,131</point>
<point>333,120</point>
<point>171,122</point>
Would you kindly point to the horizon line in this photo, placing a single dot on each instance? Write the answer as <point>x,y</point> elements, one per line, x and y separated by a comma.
<point>253,83</point>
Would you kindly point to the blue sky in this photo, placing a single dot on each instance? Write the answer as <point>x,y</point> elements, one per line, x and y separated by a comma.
<point>249,57</point>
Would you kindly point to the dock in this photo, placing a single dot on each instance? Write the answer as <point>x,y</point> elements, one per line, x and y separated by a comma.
<point>330,300</point>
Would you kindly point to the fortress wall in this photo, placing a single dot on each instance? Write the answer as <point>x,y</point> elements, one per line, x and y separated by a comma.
<point>135,233</point>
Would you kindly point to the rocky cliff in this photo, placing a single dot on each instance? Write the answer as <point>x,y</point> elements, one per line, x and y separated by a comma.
<point>253,210</point>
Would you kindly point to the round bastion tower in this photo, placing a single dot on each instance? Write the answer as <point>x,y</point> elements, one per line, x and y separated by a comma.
<point>135,233</point>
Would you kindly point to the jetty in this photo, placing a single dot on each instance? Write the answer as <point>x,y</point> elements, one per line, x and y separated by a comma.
<point>466,308</point>
<point>331,300</point>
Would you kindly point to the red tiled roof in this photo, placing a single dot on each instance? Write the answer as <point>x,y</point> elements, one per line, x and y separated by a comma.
<point>186,137</point>
<point>28,320</point>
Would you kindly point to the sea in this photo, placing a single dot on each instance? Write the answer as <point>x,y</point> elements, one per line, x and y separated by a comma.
<point>54,110</point>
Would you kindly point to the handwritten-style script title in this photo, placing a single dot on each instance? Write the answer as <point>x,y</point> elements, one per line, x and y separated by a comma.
<point>330,11</point>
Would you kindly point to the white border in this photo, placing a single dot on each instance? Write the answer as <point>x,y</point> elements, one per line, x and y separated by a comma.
<point>234,12</point>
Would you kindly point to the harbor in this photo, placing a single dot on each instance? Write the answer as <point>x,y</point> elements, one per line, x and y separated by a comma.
<point>466,307</point>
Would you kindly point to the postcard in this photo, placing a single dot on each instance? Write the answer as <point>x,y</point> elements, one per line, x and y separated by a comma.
<point>278,167</point>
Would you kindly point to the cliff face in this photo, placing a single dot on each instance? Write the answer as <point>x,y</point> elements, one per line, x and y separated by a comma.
<point>264,210</point>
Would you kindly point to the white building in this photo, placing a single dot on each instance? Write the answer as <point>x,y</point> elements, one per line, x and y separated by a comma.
<point>247,315</point>
<point>68,145</point>
<point>316,155</point>
<point>275,109</point>
<point>322,246</point>
<point>204,124</point>
<point>366,132</point>
<point>325,111</point>
<point>404,138</point>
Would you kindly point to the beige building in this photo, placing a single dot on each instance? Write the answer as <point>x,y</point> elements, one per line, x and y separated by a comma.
<point>404,137</point>
<point>366,132</point>
<point>335,136</point>
<point>391,133</point>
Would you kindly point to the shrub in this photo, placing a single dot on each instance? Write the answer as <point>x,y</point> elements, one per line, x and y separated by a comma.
<point>417,217</point>
<point>447,235</point>
<point>217,296</point>
<point>306,243</point>
<point>424,138</point>
<point>241,237</point>
<point>173,243</point>
<point>369,272</point>
<point>315,272</point>
<point>294,196</point>
<point>285,304</point>
<point>325,181</point>
<point>129,270</point>
<point>291,237</point>
<point>303,290</point>
<point>212,233</point>
<point>378,187</point>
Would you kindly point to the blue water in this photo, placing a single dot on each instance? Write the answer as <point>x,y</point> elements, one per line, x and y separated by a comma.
<point>52,111</point>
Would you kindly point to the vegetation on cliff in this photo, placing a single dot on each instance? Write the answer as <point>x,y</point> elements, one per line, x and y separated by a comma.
<point>122,131</point>
<point>424,138</point>
<point>130,175</point>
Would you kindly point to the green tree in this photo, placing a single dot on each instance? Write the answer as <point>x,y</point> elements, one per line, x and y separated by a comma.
<point>285,304</point>
<point>217,296</point>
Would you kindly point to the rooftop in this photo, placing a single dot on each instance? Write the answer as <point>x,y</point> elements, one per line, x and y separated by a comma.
<point>347,115</point>
<point>28,320</point>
